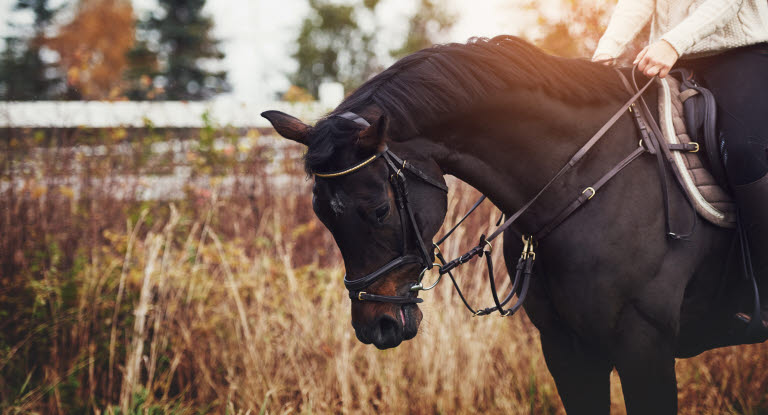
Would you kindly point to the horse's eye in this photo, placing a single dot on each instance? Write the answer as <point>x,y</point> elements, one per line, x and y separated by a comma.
<point>382,212</point>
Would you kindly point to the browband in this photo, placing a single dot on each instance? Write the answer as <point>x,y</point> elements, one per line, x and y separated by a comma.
<point>354,168</point>
<point>354,118</point>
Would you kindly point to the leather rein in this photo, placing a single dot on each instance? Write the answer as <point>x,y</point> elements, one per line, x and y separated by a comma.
<point>652,142</point>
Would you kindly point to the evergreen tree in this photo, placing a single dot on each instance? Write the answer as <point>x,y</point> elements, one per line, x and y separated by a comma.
<point>24,75</point>
<point>176,62</point>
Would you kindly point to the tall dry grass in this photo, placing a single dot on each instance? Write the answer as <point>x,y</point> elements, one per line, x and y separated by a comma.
<point>236,305</point>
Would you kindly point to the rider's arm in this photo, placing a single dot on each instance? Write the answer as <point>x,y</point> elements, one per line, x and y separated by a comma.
<point>629,17</point>
<point>705,20</point>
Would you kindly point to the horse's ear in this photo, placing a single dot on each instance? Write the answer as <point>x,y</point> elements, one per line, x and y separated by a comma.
<point>289,127</point>
<point>375,135</point>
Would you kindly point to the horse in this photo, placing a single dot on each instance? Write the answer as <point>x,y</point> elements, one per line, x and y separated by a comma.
<point>611,289</point>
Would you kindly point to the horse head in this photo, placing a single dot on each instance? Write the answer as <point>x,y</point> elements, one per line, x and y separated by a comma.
<point>383,202</point>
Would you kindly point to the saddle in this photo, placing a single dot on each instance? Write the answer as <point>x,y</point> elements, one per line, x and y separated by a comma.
<point>687,120</point>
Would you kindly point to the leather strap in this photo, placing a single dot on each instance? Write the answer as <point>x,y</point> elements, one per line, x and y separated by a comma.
<point>587,194</point>
<point>515,284</point>
<point>395,299</point>
<point>575,159</point>
<point>403,164</point>
<point>658,140</point>
<point>401,184</point>
<point>360,283</point>
<point>689,147</point>
<point>525,264</point>
<point>456,226</point>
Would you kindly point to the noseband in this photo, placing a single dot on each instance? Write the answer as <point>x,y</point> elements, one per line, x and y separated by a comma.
<point>398,180</point>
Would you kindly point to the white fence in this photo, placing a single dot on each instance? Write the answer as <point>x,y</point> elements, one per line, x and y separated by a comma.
<point>168,114</point>
<point>96,114</point>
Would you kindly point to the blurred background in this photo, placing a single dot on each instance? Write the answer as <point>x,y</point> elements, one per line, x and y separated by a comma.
<point>158,251</point>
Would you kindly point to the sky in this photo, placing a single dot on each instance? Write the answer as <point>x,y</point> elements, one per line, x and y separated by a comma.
<point>258,36</point>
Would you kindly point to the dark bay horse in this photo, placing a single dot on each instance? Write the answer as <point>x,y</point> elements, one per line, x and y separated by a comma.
<point>611,290</point>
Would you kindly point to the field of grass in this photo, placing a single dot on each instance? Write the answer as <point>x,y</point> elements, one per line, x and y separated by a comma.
<point>235,304</point>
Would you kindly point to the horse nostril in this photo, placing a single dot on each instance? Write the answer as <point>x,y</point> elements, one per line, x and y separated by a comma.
<point>390,333</point>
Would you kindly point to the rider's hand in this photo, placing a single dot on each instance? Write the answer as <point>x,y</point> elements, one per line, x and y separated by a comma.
<point>656,59</point>
<point>605,59</point>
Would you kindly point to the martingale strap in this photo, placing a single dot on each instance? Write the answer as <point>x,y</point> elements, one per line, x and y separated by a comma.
<point>572,162</point>
<point>525,264</point>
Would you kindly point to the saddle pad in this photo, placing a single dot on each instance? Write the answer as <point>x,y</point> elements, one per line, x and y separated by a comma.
<point>711,201</point>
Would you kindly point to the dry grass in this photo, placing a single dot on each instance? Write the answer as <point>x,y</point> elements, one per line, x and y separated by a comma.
<point>237,306</point>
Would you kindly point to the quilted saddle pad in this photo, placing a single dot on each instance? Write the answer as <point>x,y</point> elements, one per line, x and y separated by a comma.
<point>711,201</point>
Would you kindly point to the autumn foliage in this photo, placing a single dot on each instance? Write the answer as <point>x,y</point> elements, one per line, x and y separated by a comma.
<point>93,47</point>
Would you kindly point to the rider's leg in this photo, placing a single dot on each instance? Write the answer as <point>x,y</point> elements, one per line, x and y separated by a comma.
<point>739,81</point>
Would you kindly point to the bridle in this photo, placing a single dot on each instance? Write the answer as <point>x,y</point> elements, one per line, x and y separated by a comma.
<point>399,183</point>
<point>652,142</point>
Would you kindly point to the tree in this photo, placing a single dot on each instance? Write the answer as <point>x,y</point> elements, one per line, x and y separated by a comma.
<point>93,54</point>
<point>178,61</point>
<point>578,28</point>
<point>24,74</point>
<point>429,21</point>
<point>333,47</point>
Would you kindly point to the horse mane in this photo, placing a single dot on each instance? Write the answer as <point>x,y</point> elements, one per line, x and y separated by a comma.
<point>422,87</point>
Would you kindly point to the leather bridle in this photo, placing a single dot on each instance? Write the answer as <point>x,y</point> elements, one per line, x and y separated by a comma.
<point>399,183</point>
<point>652,142</point>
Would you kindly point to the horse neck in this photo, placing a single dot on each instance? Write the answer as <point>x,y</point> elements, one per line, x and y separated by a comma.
<point>509,148</point>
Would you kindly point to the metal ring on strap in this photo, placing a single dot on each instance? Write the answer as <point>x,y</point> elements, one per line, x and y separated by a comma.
<point>419,286</point>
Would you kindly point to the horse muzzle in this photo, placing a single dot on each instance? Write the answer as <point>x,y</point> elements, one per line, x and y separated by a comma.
<point>387,331</point>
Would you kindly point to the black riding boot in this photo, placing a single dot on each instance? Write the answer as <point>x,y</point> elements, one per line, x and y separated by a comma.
<point>752,199</point>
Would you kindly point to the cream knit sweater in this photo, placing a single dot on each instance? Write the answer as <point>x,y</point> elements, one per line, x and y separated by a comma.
<point>693,27</point>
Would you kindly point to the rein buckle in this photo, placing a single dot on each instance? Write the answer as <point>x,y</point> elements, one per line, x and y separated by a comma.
<point>528,245</point>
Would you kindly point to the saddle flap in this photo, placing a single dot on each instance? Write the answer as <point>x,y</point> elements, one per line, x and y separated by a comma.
<point>700,118</point>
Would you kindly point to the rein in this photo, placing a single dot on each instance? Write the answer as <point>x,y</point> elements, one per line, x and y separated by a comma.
<point>654,144</point>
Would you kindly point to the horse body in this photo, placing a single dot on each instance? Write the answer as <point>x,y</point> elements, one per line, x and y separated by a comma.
<point>611,289</point>
<point>610,284</point>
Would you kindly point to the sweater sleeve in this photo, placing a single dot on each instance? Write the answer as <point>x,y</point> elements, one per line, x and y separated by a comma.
<point>629,17</point>
<point>705,20</point>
